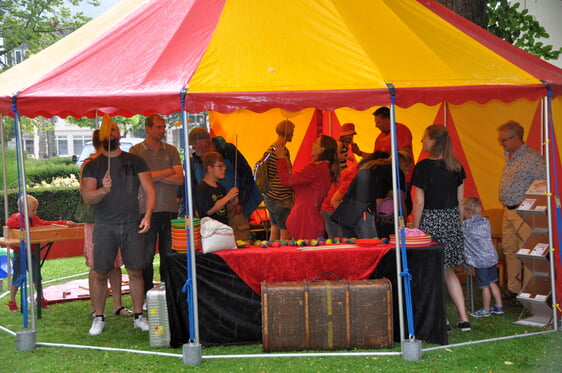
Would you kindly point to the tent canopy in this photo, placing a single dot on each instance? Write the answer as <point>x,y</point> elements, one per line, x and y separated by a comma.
<point>229,55</point>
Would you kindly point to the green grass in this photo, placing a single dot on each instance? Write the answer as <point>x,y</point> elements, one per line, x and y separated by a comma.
<point>69,322</point>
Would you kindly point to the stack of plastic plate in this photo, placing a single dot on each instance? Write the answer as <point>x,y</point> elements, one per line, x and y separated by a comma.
<point>413,240</point>
<point>180,229</point>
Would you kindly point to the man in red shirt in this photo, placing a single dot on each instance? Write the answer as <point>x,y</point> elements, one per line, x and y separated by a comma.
<point>382,143</point>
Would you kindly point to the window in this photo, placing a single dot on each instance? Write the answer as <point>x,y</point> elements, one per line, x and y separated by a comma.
<point>29,146</point>
<point>18,54</point>
<point>62,145</point>
<point>78,143</point>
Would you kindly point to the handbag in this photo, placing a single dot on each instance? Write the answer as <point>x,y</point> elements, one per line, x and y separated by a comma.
<point>348,213</point>
<point>84,213</point>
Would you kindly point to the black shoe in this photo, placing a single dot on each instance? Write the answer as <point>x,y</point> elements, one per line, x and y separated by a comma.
<point>463,326</point>
<point>508,295</point>
<point>448,327</point>
<point>512,303</point>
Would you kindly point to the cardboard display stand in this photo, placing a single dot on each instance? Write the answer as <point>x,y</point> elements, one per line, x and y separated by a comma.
<point>535,296</point>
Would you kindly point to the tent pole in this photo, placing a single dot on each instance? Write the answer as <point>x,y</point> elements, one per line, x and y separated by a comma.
<point>545,125</point>
<point>192,351</point>
<point>4,176</point>
<point>6,211</point>
<point>397,240</point>
<point>25,339</point>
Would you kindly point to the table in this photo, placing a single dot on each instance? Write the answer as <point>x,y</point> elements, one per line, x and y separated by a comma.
<point>46,235</point>
<point>230,309</point>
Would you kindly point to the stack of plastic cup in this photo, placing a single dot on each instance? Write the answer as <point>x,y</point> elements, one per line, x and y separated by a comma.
<point>180,234</point>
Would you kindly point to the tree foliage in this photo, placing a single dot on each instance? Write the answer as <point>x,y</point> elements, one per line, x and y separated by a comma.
<point>519,28</point>
<point>37,24</point>
<point>504,19</point>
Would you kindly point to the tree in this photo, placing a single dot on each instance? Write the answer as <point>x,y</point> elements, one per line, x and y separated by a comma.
<point>506,21</point>
<point>519,28</point>
<point>36,24</point>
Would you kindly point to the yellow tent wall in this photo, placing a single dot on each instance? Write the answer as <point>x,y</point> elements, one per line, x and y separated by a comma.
<point>476,125</point>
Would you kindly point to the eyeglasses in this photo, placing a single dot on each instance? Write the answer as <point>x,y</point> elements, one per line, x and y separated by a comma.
<point>501,141</point>
<point>219,166</point>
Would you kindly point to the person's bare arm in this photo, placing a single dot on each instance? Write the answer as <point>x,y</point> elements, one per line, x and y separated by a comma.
<point>172,175</point>
<point>460,197</point>
<point>150,194</point>
<point>91,193</point>
<point>418,206</point>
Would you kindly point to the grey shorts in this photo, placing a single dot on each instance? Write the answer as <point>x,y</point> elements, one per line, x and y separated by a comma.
<point>279,210</point>
<point>108,238</point>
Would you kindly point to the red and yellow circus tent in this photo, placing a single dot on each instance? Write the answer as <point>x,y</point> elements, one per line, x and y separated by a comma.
<point>319,62</point>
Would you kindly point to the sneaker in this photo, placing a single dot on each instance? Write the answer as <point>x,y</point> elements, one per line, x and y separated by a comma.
<point>463,326</point>
<point>141,323</point>
<point>13,306</point>
<point>481,313</point>
<point>97,325</point>
<point>448,327</point>
<point>144,307</point>
<point>508,295</point>
<point>496,310</point>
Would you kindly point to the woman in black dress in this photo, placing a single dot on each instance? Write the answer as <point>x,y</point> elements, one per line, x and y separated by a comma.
<point>438,183</point>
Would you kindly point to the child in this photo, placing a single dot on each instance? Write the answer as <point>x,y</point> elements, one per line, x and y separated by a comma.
<point>481,254</point>
<point>34,221</point>
<point>211,198</point>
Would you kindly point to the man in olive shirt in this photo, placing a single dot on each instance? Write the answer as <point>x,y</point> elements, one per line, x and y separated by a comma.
<point>165,167</point>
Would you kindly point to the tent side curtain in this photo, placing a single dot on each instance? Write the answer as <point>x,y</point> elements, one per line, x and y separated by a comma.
<point>260,102</point>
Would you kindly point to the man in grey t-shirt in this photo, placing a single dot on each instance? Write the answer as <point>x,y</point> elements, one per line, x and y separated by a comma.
<point>165,167</point>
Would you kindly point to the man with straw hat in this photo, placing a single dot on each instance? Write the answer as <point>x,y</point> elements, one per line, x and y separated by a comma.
<point>111,182</point>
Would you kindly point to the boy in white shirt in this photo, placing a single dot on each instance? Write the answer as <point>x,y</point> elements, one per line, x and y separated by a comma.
<point>482,255</point>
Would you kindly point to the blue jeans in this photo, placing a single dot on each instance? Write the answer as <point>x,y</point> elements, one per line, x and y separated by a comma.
<point>365,228</point>
<point>333,229</point>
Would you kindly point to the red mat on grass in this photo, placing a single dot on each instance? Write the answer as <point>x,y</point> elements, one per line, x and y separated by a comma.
<point>77,289</point>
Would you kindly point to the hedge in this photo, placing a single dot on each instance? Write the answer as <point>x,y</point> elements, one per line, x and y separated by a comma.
<point>54,203</point>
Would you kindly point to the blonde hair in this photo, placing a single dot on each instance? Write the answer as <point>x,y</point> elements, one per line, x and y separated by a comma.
<point>284,127</point>
<point>473,205</point>
<point>30,201</point>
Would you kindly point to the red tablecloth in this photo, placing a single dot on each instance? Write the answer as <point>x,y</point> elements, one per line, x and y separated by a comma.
<point>288,263</point>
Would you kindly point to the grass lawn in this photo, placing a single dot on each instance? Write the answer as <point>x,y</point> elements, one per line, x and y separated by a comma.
<point>68,323</point>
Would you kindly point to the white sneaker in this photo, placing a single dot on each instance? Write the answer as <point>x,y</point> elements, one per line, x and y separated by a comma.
<point>141,323</point>
<point>144,307</point>
<point>97,326</point>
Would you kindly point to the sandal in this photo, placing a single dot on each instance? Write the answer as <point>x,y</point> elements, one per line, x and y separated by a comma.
<point>123,312</point>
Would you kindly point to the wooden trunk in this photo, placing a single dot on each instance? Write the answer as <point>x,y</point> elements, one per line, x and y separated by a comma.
<point>327,315</point>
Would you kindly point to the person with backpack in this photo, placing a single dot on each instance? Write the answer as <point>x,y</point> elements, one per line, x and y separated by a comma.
<point>278,199</point>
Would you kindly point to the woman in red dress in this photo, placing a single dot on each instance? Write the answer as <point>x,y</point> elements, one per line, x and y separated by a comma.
<point>311,185</point>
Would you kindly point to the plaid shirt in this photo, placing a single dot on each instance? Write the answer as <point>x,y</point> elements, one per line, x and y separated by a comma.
<point>478,247</point>
<point>526,166</point>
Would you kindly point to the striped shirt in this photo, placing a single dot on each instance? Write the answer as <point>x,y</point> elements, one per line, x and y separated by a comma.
<point>276,189</point>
